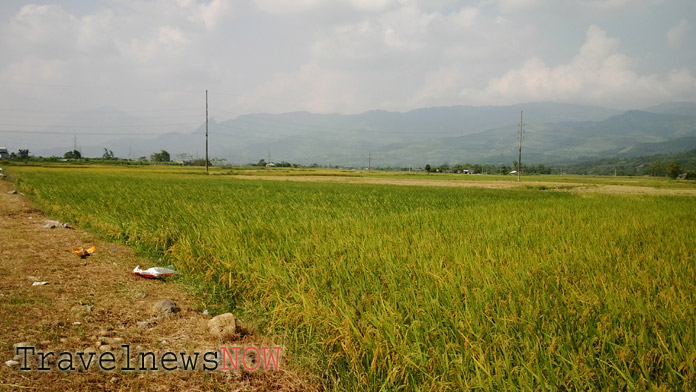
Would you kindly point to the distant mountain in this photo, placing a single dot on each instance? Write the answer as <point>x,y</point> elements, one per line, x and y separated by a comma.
<point>561,142</point>
<point>554,133</point>
<point>392,138</point>
<point>668,147</point>
<point>684,108</point>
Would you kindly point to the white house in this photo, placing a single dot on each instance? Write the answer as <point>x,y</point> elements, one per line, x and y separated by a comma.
<point>3,153</point>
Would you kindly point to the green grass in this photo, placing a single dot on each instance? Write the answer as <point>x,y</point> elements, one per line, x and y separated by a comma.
<point>382,287</point>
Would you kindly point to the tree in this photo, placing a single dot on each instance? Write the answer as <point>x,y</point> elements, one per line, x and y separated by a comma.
<point>74,154</point>
<point>108,154</point>
<point>656,169</point>
<point>162,156</point>
<point>428,168</point>
<point>673,170</point>
<point>23,154</point>
<point>184,157</point>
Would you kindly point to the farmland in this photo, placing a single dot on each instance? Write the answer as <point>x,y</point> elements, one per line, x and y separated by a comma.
<point>382,287</point>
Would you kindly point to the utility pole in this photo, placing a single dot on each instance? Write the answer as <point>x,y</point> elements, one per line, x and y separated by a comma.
<point>369,161</point>
<point>269,156</point>
<point>206,131</point>
<point>519,158</point>
<point>74,142</point>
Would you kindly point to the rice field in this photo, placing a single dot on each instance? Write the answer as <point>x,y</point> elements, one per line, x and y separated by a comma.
<point>381,287</point>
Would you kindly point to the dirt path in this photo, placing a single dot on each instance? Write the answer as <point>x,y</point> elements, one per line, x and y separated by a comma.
<point>562,186</point>
<point>96,305</point>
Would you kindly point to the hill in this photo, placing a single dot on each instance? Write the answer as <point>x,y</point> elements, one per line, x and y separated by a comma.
<point>554,134</point>
<point>655,165</point>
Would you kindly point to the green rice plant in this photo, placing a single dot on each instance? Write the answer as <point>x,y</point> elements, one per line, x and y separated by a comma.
<point>380,287</point>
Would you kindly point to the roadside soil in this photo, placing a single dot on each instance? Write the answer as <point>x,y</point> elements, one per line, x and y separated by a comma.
<point>95,305</point>
<point>552,186</point>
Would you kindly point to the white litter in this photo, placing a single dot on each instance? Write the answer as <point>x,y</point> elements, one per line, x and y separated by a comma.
<point>154,272</point>
<point>39,283</point>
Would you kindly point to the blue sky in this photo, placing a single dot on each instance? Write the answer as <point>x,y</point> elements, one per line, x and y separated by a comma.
<point>156,58</point>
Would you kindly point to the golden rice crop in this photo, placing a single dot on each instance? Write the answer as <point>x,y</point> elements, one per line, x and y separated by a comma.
<point>421,288</point>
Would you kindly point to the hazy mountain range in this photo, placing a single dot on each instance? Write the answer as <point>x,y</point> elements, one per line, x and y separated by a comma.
<point>553,133</point>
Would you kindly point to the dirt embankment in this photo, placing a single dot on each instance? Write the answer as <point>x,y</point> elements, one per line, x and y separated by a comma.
<point>96,305</point>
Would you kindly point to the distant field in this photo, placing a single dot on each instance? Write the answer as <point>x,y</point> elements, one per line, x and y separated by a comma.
<point>383,287</point>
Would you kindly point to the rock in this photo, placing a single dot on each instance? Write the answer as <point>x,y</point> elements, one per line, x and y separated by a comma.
<point>12,363</point>
<point>113,341</point>
<point>223,326</point>
<point>104,348</point>
<point>166,306</point>
<point>143,324</point>
<point>44,342</point>
<point>49,226</point>
<point>14,192</point>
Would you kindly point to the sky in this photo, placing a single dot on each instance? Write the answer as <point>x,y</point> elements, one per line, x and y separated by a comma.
<point>155,59</point>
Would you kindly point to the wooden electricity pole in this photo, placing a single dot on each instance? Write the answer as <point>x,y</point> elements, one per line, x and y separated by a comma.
<point>206,131</point>
<point>519,158</point>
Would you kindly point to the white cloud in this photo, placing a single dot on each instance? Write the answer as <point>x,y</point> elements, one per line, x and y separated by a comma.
<point>286,6</point>
<point>598,74</point>
<point>398,59</point>
<point>341,56</point>
<point>566,6</point>
<point>209,14</point>
<point>679,33</point>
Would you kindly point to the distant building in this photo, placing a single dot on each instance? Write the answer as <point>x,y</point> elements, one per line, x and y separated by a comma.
<point>3,153</point>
